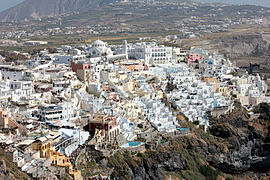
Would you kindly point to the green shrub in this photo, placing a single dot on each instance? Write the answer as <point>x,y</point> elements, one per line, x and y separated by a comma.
<point>208,172</point>
<point>139,154</point>
<point>262,108</point>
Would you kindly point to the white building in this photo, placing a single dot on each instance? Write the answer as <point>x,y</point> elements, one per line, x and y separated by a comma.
<point>99,48</point>
<point>66,59</point>
<point>13,72</point>
<point>50,113</point>
<point>150,52</point>
<point>15,89</point>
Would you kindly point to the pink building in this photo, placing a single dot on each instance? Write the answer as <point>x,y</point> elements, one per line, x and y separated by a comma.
<point>195,57</point>
<point>79,65</point>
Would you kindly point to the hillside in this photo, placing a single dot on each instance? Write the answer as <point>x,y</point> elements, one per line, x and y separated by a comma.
<point>8,169</point>
<point>232,45</point>
<point>35,9</point>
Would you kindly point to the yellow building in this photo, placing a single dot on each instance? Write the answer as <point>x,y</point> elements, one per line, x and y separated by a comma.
<point>129,86</point>
<point>58,159</point>
<point>44,145</point>
<point>159,94</point>
<point>210,80</point>
<point>223,91</point>
<point>76,174</point>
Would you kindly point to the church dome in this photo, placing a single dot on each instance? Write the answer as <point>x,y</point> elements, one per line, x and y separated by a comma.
<point>98,43</point>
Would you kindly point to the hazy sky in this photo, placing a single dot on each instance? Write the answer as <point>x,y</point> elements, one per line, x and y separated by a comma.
<point>254,2</point>
<point>4,4</point>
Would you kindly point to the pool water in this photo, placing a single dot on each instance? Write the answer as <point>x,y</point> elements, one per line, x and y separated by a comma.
<point>181,129</point>
<point>133,143</point>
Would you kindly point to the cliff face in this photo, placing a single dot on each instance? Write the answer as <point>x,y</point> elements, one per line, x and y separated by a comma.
<point>247,143</point>
<point>235,146</point>
<point>4,172</point>
<point>128,165</point>
<point>234,45</point>
<point>8,170</point>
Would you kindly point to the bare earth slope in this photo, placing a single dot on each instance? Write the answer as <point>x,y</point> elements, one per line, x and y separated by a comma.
<point>34,9</point>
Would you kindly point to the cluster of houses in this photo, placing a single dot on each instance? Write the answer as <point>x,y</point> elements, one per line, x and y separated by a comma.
<point>101,95</point>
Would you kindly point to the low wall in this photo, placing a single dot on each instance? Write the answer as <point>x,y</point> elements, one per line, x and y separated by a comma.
<point>139,148</point>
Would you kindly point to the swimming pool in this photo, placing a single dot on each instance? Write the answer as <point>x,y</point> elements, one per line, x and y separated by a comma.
<point>131,144</point>
<point>182,129</point>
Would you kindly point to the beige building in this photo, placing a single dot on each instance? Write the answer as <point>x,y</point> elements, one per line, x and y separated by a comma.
<point>6,121</point>
<point>83,74</point>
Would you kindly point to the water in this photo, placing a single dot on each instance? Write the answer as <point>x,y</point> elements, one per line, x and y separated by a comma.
<point>181,129</point>
<point>133,143</point>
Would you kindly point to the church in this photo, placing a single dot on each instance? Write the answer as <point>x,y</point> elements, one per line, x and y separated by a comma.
<point>99,49</point>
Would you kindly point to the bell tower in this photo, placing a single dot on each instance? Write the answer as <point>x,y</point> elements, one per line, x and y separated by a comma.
<point>125,48</point>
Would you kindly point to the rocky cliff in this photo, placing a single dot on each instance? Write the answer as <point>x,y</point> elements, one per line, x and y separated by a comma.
<point>235,146</point>
<point>9,171</point>
<point>233,45</point>
<point>247,143</point>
